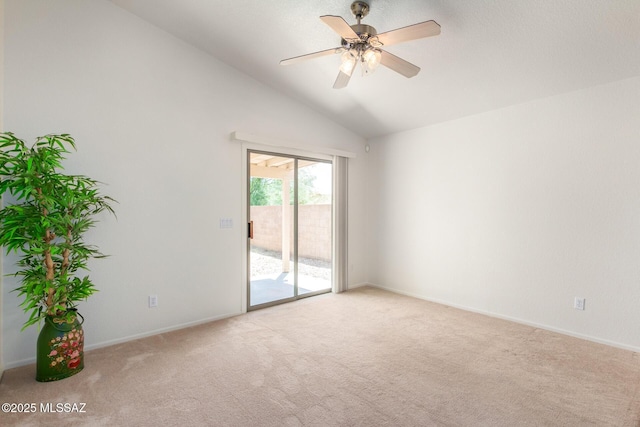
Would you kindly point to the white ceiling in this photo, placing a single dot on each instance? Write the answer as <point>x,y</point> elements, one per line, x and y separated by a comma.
<point>490,54</point>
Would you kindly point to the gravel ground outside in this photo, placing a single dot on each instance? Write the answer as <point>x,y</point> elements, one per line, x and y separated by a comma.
<point>264,262</point>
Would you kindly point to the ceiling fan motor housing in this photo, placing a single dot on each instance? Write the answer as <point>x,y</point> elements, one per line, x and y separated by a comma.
<point>364,31</point>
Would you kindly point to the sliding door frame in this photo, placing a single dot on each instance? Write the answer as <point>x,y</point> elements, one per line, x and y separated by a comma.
<point>247,151</point>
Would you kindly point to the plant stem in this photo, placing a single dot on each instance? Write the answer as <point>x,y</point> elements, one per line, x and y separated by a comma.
<point>48,260</point>
<point>65,253</point>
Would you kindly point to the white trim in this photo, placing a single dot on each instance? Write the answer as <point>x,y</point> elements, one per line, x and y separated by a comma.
<point>512,319</point>
<point>134,337</point>
<point>281,144</point>
<point>244,222</point>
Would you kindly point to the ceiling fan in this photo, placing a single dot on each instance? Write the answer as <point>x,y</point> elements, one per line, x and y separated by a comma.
<point>362,44</point>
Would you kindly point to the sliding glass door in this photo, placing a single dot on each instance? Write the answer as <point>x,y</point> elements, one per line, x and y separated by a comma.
<point>290,228</point>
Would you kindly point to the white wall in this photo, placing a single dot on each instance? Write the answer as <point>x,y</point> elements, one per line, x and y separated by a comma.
<point>517,211</point>
<point>152,118</point>
<point>1,130</point>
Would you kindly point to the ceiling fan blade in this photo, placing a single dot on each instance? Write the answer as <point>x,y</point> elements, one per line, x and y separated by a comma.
<point>398,65</point>
<point>412,32</point>
<point>340,26</point>
<point>342,80</point>
<point>301,58</point>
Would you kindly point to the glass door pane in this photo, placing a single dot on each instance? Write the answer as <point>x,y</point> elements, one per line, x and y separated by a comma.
<point>271,264</point>
<point>314,226</point>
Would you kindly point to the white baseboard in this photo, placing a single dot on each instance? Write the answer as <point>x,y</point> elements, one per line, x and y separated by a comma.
<point>31,360</point>
<point>28,361</point>
<point>513,319</point>
<point>358,285</point>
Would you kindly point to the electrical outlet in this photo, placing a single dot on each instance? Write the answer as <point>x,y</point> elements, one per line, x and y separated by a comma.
<point>578,303</point>
<point>153,301</point>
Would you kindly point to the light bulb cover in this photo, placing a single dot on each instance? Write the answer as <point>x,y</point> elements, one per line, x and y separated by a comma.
<point>372,58</point>
<point>348,62</point>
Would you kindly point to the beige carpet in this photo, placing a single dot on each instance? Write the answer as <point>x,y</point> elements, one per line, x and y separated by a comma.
<point>362,358</point>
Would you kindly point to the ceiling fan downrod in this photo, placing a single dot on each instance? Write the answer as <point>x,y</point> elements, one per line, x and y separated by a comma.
<point>360,9</point>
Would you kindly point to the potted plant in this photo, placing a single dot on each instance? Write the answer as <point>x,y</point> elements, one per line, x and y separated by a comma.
<point>45,217</point>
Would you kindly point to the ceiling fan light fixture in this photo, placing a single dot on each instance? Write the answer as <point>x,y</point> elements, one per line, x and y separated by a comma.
<point>371,57</point>
<point>348,62</point>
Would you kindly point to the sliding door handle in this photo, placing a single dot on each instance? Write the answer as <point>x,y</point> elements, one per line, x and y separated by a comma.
<point>250,229</point>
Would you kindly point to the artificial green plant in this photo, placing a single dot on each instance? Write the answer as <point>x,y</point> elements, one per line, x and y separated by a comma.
<point>45,217</point>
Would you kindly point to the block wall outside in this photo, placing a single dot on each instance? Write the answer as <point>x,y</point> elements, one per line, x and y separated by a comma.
<point>314,228</point>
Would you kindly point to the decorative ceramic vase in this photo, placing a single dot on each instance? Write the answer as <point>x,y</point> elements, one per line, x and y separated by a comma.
<point>60,351</point>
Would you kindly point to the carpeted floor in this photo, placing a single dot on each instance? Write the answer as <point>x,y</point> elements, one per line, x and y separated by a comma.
<point>362,358</point>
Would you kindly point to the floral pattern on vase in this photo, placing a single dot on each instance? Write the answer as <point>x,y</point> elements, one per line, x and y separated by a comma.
<point>60,349</point>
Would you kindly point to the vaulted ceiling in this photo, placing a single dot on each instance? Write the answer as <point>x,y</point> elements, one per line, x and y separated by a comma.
<point>490,54</point>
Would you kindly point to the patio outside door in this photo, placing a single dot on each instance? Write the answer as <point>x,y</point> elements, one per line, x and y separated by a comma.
<point>290,228</point>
